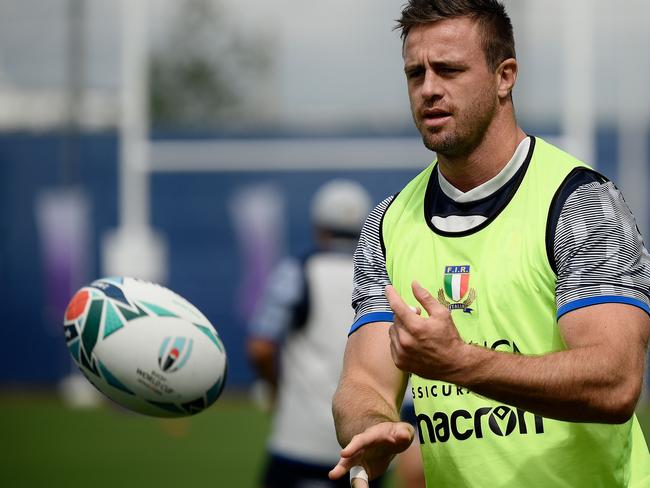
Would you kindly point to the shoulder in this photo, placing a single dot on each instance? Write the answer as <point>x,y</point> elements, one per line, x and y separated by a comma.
<point>377,214</point>
<point>578,179</point>
<point>588,200</point>
<point>596,249</point>
<point>370,239</point>
<point>581,191</point>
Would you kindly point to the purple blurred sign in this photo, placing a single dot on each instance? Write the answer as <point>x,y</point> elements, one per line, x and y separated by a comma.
<point>63,224</point>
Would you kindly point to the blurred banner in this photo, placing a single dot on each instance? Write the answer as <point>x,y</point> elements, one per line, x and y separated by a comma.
<point>63,224</point>
<point>259,219</point>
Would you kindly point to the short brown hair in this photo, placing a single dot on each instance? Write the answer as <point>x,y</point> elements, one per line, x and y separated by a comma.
<point>498,37</point>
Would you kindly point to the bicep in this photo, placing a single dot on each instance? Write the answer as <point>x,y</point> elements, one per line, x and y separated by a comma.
<point>368,364</point>
<point>618,333</point>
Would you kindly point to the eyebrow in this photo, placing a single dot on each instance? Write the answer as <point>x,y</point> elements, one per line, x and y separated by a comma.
<point>412,67</point>
<point>443,63</point>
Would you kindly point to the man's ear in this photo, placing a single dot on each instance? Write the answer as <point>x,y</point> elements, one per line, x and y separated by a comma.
<point>506,77</point>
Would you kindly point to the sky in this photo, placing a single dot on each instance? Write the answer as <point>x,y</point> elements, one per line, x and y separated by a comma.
<point>339,61</point>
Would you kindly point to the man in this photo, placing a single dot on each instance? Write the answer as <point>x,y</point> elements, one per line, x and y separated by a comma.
<point>517,294</point>
<point>293,345</point>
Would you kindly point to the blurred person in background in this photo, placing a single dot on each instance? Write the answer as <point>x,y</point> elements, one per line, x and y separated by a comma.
<point>508,279</point>
<point>295,341</point>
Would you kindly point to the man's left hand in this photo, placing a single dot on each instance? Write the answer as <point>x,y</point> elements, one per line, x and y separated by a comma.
<point>430,347</point>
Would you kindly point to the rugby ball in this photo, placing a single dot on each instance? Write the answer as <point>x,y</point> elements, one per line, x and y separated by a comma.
<point>145,347</point>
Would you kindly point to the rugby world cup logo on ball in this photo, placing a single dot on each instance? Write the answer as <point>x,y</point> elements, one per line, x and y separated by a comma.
<point>174,353</point>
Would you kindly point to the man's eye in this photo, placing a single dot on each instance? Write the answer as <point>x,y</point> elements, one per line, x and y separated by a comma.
<point>449,70</point>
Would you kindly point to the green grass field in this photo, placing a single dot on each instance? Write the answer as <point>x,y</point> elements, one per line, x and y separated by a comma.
<point>45,444</point>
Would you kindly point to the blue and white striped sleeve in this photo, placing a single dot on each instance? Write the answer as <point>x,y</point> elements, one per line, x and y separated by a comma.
<point>599,253</point>
<point>370,275</point>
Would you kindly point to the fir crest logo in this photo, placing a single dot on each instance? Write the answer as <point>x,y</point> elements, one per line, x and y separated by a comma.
<point>457,295</point>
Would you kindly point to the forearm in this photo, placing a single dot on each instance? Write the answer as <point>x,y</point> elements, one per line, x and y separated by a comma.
<point>366,404</point>
<point>371,387</point>
<point>268,372</point>
<point>581,384</point>
<point>596,379</point>
<point>357,406</point>
<point>262,355</point>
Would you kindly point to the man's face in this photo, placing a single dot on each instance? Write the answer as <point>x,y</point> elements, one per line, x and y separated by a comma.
<point>452,91</point>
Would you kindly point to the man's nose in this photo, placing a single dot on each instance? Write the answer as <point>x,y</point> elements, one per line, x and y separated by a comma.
<point>432,86</point>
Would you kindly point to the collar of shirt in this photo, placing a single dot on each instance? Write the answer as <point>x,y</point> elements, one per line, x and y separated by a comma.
<point>489,187</point>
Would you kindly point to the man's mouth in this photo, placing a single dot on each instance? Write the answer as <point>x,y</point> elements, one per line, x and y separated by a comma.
<point>435,117</point>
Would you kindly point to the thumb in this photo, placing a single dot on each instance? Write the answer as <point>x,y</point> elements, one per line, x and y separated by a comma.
<point>424,297</point>
<point>397,304</point>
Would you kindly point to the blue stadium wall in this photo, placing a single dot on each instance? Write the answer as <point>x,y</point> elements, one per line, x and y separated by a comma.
<point>190,210</point>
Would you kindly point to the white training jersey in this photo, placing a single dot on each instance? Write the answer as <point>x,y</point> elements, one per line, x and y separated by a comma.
<point>311,352</point>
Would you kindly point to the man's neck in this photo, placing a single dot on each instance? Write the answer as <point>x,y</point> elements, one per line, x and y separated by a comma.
<point>485,161</point>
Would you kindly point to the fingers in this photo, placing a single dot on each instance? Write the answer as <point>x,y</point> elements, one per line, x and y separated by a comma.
<point>417,310</point>
<point>425,298</point>
<point>389,438</point>
<point>359,483</point>
<point>358,477</point>
<point>360,441</point>
<point>351,455</point>
<point>384,433</point>
<point>401,434</point>
<point>343,466</point>
<point>402,310</point>
<point>399,307</point>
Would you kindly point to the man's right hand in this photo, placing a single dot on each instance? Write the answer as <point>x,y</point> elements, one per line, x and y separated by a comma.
<point>374,449</point>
